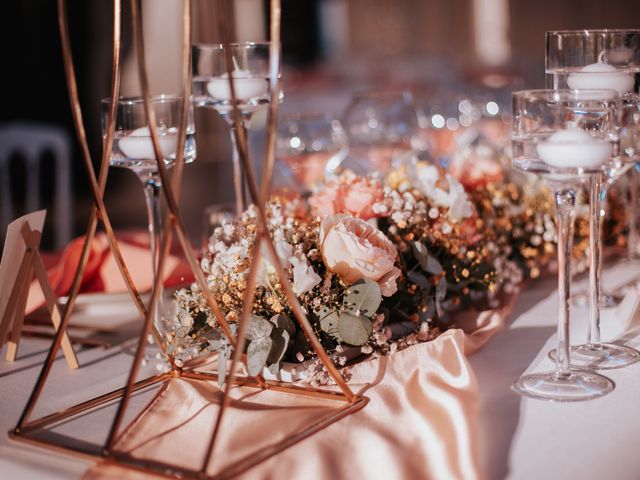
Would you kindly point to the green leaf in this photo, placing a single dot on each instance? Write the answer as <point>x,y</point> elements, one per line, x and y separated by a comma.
<point>329,324</point>
<point>279,342</point>
<point>257,354</point>
<point>428,263</point>
<point>441,293</point>
<point>418,278</point>
<point>258,328</point>
<point>223,356</point>
<point>354,330</point>
<point>363,298</point>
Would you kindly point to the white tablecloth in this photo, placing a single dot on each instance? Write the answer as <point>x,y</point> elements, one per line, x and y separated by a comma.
<point>519,438</point>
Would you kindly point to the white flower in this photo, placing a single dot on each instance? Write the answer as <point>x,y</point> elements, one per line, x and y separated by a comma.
<point>425,177</point>
<point>459,205</point>
<point>184,318</point>
<point>266,275</point>
<point>304,277</point>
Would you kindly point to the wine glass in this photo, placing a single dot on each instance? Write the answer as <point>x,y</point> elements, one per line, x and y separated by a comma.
<point>312,146</point>
<point>250,72</point>
<point>585,59</point>
<point>382,130</point>
<point>566,137</point>
<point>133,150</point>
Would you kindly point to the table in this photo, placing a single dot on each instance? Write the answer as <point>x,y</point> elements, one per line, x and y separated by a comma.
<point>519,438</point>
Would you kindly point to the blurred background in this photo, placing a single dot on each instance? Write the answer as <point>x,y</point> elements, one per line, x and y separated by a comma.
<point>445,53</point>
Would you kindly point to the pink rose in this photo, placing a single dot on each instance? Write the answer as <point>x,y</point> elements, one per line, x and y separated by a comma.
<point>349,194</point>
<point>353,249</point>
<point>323,202</point>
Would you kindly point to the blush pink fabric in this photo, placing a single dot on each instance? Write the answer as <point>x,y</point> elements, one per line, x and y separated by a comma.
<point>420,422</point>
<point>102,273</point>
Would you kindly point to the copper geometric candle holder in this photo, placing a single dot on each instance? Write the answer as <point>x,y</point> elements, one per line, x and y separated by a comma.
<point>346,400</point>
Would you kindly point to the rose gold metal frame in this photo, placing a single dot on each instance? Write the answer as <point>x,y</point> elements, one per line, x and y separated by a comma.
<point>26,428</point>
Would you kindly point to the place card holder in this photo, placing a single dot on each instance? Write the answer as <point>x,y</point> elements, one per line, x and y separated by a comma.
<point>22,259</point>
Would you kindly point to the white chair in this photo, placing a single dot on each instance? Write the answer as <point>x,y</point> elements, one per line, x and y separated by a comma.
<point>29,142</point>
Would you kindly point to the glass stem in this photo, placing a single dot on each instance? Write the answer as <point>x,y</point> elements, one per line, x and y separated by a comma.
<point>632,211</point>
<point>565,207</point>
<point>152,186</point>
<point>596,191</point>
<point>238,179</point>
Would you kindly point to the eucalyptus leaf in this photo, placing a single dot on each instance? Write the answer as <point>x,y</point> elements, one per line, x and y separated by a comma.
<point>363,298</point>
<point>257,354</point>
<point>329,324</point>
<point>279,342</point>
<point>182,332</point>
<point>222,365</point>
<point>418,278</point>
<point>441,293</point>
<point>428,263</point>
<point>433,266</point>
<point>322,311</point>
<point>354,330</point>
<point>421,253</point>
<point>274,368</point>
<point>258,328</point>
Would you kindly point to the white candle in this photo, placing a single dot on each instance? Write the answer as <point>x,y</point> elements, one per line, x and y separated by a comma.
<point>601,75</point>
<point>138,144</point>
<point>245,85</point>
<point>574,148</point>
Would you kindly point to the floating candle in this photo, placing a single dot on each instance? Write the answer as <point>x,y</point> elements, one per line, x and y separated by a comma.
<point>246,85</point>
<point>138,144</point>
<point>574,148</point>
<point>601,75</point>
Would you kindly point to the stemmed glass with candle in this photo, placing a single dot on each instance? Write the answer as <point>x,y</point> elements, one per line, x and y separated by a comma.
<point>133,150</point>
<point>211,88</point>
<point>567,137</point>
<point>584,59</point>
<point>312,146</point>
<point>382,130</point>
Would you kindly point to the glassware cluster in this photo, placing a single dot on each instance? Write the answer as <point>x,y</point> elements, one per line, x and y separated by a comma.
<point>581,132</point>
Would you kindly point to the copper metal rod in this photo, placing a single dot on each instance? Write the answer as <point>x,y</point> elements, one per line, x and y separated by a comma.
<point>90,404</point>
<point>142,340</point>
<point>247,306</point>
<point>77,116</point>
<point>260,198</point>
<point>275,385</point>
<point>171,201</point>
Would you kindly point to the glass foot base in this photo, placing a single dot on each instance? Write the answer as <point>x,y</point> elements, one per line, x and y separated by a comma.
<point>607,300</point>
<point>573,387</point>
<point>605,356</point>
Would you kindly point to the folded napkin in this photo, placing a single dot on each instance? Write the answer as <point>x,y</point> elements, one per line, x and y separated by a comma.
<point>102,273</point>
<point>420,421</point>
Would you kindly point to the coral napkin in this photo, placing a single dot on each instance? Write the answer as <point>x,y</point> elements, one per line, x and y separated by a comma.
<point>420,422</point>
<point>102,273</point>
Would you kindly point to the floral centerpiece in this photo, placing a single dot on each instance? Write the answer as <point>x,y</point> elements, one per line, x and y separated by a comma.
<point>376,266</point>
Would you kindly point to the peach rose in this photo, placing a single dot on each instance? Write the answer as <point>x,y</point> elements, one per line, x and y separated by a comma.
<point>353,249</point>
<point>349,194</point>
<point>474,170</point>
